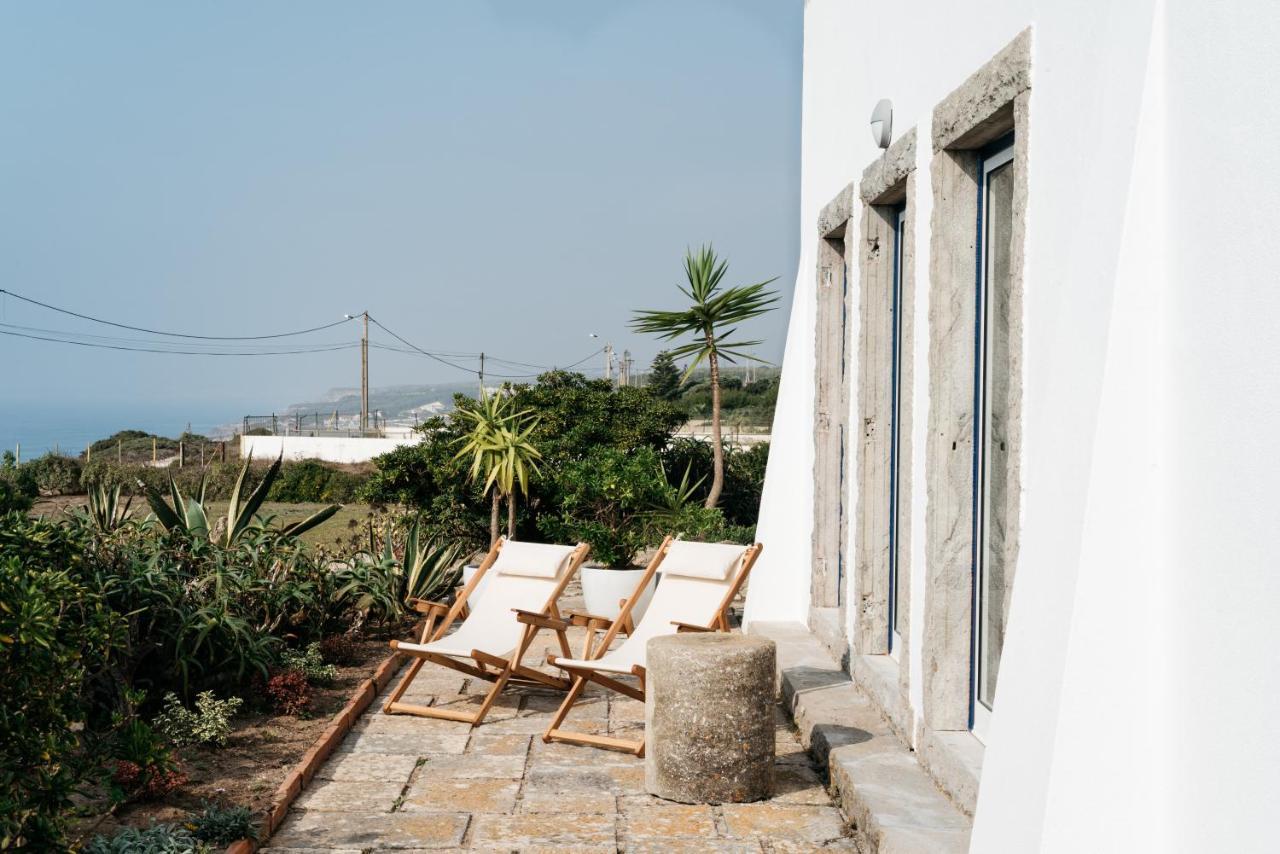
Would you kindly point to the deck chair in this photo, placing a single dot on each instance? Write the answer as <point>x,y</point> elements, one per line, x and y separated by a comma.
<point>699,583</point>
<point>527,579</point>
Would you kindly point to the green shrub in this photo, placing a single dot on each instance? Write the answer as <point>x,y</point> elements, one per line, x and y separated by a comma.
<point>576,417</point>
<point>744,470</point>
<point>156,839</point>
<point>209,724</point>
<point>55,474</point>
<point>221,826</point>
<point>220,478</point>
<point>313,481</point>
<point>13,497</point>
<point>604,500</point>
<point>305,481</point>
<point>310,663</point>
<point>54,634</point>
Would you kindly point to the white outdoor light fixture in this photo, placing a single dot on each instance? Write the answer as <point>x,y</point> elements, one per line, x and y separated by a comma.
<point>882,123</point>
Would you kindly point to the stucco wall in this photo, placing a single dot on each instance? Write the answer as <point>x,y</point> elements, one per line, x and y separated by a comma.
<point>1138,687</point>
<point>334,449</point>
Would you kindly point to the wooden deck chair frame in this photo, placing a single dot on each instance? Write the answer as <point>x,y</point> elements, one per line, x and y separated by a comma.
<point>581,676</point>
<point>492,668</point>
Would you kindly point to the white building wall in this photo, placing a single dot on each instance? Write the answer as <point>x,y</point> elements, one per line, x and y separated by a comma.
<point>1138,688</point>
<point>333,449</point>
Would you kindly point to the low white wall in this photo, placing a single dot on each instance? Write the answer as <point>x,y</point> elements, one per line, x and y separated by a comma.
<point>333,449</point>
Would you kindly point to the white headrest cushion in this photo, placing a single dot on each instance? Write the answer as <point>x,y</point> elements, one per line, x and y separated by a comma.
<point>537,560</point>
<point>701,560</point>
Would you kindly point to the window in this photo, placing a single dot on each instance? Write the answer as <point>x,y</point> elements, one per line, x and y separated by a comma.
<point>896,598</point>
<point>992,397</point>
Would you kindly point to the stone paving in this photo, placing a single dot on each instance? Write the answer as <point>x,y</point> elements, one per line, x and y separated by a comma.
<point>415,784</point>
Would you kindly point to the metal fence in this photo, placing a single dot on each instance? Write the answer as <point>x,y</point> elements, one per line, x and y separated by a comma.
<point>313,424</point>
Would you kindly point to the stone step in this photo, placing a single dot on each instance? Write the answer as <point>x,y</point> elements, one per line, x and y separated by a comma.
<point>891,799</point>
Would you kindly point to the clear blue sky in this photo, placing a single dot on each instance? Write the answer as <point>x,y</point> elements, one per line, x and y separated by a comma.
<point>499,176</point>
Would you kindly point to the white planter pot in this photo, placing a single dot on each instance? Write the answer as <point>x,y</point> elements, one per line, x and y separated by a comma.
<point>605,589</point>
<point>468,573</point>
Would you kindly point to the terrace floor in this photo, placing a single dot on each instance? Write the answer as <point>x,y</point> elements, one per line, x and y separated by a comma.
<point>408,783</point>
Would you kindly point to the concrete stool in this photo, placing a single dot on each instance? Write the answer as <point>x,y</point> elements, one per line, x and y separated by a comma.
<point>709,718</point>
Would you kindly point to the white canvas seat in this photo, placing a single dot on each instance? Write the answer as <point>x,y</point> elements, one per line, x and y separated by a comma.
<point>699,582</point>
<point>524,580</point>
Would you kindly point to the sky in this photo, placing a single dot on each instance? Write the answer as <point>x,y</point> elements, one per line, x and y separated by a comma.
<point>506,177</point>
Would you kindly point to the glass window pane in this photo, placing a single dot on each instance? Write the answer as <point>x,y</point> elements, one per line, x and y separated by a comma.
<point>993,583</point>
<point>897,602</point>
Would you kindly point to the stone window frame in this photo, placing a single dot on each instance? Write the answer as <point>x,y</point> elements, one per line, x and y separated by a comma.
<point>994,101</point>
<point>832,351</point>
<point>886,185</point>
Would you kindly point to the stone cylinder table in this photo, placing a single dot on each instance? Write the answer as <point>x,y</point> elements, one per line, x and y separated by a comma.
<point>709,726</point>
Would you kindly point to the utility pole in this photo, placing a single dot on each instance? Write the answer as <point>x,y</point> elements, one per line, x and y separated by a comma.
<point>482,375</point>
<point>364,374</point>
<point>626,367</point>
<point>608,362</point>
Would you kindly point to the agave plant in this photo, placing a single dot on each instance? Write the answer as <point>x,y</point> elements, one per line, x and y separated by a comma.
<point>429,565</point>
<point>105,510</point>
<point>668,513</point>
<point>379,584</point>
<point>189,514</point>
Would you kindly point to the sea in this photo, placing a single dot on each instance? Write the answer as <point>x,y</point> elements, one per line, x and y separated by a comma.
<point>69,428</point>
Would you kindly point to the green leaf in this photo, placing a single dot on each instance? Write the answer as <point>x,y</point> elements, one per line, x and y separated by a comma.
<point>297,529</point>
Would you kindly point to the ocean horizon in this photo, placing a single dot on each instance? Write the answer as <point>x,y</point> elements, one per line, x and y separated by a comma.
<point>69,428</point>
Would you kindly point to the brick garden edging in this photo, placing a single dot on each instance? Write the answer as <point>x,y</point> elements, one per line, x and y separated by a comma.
<point>300,776</point>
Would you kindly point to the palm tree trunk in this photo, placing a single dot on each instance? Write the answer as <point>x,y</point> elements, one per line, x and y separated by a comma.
<point>717,444</point>
<point>493,519</point>
<point>511,516</point>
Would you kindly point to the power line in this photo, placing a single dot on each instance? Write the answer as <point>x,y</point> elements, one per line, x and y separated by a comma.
<point>99,346</point>
<point>106,342</point>
<point>171,334</point>
<point>112,339</point>
<point>475,371</point>
<point>378,323</point>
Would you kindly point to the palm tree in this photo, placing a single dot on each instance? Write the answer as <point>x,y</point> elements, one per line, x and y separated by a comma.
<point>502,455</point>
<point>711,310</point>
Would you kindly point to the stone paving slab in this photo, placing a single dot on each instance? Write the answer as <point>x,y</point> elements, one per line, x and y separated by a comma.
<point>783,821</point>
<point>336,796</point>
<point>309,829</point>
<point>404,783</point>
<point>369,767</point>
<point>472,795</point>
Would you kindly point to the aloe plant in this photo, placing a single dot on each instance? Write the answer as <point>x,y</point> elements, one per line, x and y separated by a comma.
<point>180,513</point>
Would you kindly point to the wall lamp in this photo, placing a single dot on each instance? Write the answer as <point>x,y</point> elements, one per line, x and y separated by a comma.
<point>882,123</point>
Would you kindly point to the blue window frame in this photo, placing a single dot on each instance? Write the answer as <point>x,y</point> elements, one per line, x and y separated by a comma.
<point>895,431</point>
<point>991,414</point>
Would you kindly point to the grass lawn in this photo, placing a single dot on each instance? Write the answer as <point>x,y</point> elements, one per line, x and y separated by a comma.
<point>349,520</point>
<point>336,531</point>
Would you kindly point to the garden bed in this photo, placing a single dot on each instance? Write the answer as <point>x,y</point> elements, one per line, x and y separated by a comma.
<point>262,750</point>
